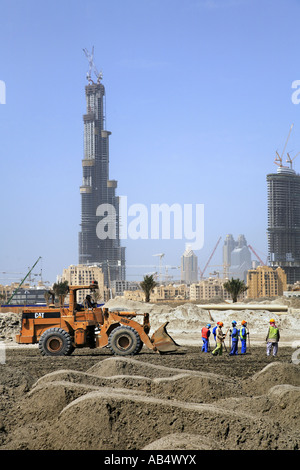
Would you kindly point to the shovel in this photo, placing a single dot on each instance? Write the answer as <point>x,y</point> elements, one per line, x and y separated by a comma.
<point>163,341</point>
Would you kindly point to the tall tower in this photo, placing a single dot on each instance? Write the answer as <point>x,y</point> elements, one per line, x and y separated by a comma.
<point>189,266</point>
<point>284,217</point>
<point>99,241</point>
<point>284,221</point>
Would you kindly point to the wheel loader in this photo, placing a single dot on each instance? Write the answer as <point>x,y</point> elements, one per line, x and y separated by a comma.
<point>59,330</point>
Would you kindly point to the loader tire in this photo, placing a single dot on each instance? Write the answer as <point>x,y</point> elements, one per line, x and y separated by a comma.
<point>55,342</point>
<point>124,341</point>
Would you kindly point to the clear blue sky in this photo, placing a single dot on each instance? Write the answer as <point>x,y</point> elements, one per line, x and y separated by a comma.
<point>198,101</point>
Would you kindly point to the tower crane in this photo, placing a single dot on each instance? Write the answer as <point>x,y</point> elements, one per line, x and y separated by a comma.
<point>290,160</point>
<point>16,290</point>
<point>255,254</point>
<point>161,255</point>
<point>278,159</point>
<point>92,67</point>
<point>213,252</point>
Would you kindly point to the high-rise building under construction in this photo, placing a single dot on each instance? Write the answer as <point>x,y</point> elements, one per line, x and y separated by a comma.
<point>284,221</point>
<point>99,241</point>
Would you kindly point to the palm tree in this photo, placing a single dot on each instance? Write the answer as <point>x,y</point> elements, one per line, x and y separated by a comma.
<point>147,285</point>
<point>235,287</point>
<point>61,289</point>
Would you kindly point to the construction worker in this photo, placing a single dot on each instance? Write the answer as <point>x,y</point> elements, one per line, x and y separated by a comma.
<point>272,338</point>
<point>234,333</point>
<point>219,339</point>
<point>243,337</point>
<point>214,332</point>
<point>88,303</point>
<point>205,337</point>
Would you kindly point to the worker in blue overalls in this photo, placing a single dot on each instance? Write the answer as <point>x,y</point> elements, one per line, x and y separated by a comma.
<point>205,337</point>
<point>243,337</point>
<point>234,339</point>
<point>214,332</point>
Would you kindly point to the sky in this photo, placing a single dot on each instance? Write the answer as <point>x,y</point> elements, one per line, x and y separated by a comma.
<point>199,96</point>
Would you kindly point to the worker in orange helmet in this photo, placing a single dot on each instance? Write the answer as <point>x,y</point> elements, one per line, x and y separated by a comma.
<point>272,338</point>
<point>219,338</point>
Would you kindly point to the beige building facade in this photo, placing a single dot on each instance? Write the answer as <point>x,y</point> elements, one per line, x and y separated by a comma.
<point>209,289</point>
<point>80,275</point>
<point>160,293</point>
<point>265,281</point>
<point>8,290</point>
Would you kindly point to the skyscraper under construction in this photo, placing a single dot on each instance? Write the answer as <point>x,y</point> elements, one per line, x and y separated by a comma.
<point>99,203</point>
<point>284,221</point>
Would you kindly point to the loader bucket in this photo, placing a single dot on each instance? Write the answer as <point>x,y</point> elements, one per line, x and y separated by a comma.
<point>163,341</point>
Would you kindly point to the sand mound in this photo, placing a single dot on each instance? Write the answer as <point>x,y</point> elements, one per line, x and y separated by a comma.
<point>184,401</point>
<point>159,381</point>
<point>125,404</point>
<point>274,374</point>
<point>124,425</point>
<point>129,366</point>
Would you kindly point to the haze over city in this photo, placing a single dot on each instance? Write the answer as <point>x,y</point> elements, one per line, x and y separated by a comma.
<point>199,96</point>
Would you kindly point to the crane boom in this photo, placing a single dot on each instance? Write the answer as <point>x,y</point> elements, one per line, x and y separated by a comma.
<point>255,254</point>
<point>202,273</point>
<point>16,290</point>
<point>287,140</point>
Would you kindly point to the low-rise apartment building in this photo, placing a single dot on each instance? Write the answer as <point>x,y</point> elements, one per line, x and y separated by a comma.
<point>265,281</point>
<point>80,275</point>
<point>207,289</point>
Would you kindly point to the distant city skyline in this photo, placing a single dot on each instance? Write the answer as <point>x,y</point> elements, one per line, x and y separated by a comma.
<point>201,95</point>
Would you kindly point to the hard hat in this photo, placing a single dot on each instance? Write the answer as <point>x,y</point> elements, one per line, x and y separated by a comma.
<point>272,320</point>
<point>220,323</point>
<point>234,322</point>
<point>208,325</point>
<point>244,322</point>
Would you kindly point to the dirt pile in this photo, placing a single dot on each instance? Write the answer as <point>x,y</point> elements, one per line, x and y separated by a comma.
<point>187,400</point>
<point>187,320</point>
<point>9,326</point>
<point>128,404</point>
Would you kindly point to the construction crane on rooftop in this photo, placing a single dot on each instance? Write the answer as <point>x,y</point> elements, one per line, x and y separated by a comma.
<point>92,67</point>
<point>290,160</point>
<point>278,159</point>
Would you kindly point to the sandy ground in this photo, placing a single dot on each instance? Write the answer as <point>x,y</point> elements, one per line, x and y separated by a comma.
<point>189,400</point>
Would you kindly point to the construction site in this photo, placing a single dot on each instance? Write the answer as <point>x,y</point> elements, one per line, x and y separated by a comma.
<point>186,399</point>
<point>111,371</point>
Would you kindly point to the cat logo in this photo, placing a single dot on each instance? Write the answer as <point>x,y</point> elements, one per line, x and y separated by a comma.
<point>39,315</point>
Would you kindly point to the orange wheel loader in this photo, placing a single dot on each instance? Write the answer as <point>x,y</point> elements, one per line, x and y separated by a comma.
<point>59,330</point>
